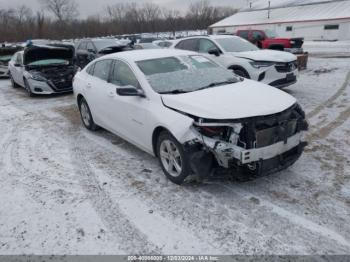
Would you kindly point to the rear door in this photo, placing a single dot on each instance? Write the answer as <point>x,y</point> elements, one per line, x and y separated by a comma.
<point>17,69</point>
<point>97,92</point>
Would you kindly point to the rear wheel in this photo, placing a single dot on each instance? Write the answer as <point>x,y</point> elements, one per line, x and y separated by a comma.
<point>172,158</point>
<point>86,116</point>
<point>27,88</point>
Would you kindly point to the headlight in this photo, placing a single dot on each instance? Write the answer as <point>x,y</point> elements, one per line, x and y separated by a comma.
<point>37,78</point>
<point>260,64</point>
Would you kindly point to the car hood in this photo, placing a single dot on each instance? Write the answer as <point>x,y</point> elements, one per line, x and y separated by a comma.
<point>267,55</point>
<point>52,51</point>
<point>235,101</point>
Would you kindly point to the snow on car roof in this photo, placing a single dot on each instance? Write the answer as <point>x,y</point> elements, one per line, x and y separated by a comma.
<point>302,13</point>
<point>139,55</point>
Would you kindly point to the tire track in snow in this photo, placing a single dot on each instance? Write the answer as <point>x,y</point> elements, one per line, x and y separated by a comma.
<point>325,131</point>
<point>228,216</point>
<point>295,219</point>
<point>131,240</point>
<point>329,101</point>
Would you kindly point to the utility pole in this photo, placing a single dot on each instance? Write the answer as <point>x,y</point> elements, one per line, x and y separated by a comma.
<point>268,13</point>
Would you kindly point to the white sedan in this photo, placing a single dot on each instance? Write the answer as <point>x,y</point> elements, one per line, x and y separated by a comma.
<point>191,113</point>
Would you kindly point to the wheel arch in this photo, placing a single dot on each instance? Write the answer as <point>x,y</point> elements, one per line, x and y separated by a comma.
<point>156,132</point>
<point>238,67</point>
<point>79,98</point>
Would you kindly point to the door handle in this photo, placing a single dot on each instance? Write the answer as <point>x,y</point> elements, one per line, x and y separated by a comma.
<point>111,94</point>
<point>88,85</point>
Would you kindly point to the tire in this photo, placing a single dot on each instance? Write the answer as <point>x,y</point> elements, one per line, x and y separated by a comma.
<point>86,116</point>
<point>27,88</point>
<point>172,158</point>
<point>241,72</point>
<point>13,83</point>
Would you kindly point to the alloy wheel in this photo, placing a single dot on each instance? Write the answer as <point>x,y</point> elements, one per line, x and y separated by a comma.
<point>171,158</point>
<point>85,114</point>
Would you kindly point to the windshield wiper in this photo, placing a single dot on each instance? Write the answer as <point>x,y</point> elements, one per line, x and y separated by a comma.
<point>214,84</point>
<point>174,92</point>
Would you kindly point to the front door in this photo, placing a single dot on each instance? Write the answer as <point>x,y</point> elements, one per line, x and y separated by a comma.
<point>131,111</point>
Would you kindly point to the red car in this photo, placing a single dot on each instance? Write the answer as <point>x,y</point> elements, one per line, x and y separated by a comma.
<point>266,39</point>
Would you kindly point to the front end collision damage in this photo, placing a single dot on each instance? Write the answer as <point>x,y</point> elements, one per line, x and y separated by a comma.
<point>258,145</point>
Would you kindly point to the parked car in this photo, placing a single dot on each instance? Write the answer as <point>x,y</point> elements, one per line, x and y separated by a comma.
<point>89,49</point>
<point>191,113</point>
<point>44,69</point>
<point>267,39</point>
<point>276,68</point>
<point>6,53</point>
<point>146,46</point>
<point>163,43</point>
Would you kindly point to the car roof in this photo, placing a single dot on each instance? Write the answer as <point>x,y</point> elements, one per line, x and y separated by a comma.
<point>139,55</point>
<point>210,36</point>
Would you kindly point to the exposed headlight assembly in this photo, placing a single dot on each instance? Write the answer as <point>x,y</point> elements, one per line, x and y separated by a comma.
<point>37,77</point>
<point>261,64</point>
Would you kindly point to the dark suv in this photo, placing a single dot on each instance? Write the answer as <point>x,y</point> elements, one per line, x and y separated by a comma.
<point>90,49</point>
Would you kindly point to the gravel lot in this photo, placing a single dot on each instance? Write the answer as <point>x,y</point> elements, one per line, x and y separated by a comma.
<point>65,190</point>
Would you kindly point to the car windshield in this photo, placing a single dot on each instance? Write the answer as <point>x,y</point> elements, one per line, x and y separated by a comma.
<point>270,33</point>
<point>47,62</point>
<point>5,58</point>
<point>102,44</point>
<point>235,44</point>
<point>184,74</point>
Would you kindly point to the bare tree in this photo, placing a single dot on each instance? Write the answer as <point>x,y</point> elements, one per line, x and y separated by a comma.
<point>171,18</point>
<point>63,10</point>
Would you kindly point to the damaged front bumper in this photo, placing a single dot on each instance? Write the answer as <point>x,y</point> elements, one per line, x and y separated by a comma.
<point>259,145</point>
<point>226,152</point>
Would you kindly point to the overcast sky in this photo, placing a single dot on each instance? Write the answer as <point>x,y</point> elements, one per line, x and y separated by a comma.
<point>90,7</point>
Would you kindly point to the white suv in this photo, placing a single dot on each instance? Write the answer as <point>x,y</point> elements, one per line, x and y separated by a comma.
<point>276,68</point>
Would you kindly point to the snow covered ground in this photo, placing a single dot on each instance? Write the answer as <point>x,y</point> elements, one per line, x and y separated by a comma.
<point>65,190</point>
<point>328,49</point>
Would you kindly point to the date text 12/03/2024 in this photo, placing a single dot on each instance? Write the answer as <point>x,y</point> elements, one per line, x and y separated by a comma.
<point>173,258</point>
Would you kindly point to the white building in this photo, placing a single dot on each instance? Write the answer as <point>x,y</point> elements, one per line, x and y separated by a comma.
<point>316,21</point>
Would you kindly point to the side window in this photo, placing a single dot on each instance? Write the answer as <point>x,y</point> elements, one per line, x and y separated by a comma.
<point>102,69</point>
<point>331,27</point>
<point>205,45</point>
<point>244,34</point>
<point>257,36</point>
<point>90,46</point>
<point>14,58</point>
<point>82,46</point>
<point>90,69</point>
<point>122,75</point>
<point>190,44</point>
<point>19,59</point>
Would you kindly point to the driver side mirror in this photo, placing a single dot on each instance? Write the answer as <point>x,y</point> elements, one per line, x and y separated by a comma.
<point>130,91</point>
<point>215,52</point>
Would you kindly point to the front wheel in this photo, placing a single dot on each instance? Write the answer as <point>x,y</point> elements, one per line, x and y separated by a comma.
<point>13,83</point>
<point>86,116</point>
<point>172,158</point>
<point>27,88</point>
